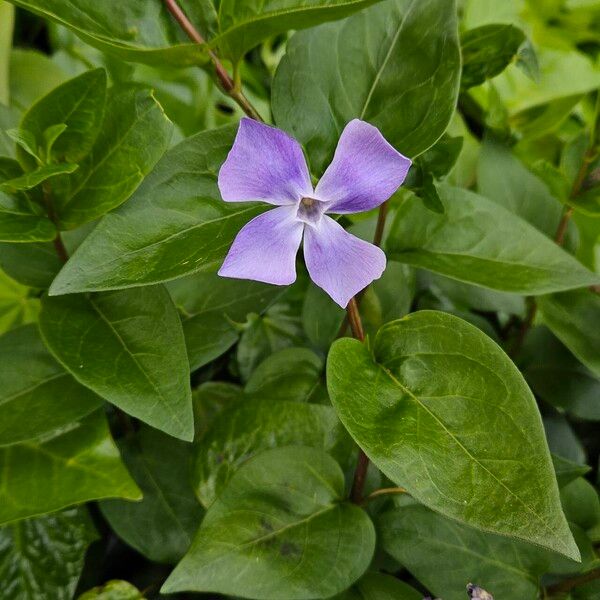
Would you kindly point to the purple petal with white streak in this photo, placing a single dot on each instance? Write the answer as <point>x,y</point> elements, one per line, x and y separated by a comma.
<point>365,171</point>
<point>264,164</point>
<point>265,248</point>
<point>339,262</point>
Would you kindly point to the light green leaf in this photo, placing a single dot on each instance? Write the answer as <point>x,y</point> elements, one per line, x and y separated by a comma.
<point>9,119</point>
<point>162,525</point>
<point>76,466</point>
<point>214,310</point>
<point>18,223</point>
<point>26,142</point>
<point>244,24</point>
<point>134,135</point>
<point>510,569</point>
<point>400,57</point>
<point>280,530</point>
<point>50,135</point>
<point>34,178</point>
<point>175,224</point>
<point>479,242</point>
<point>574,317</point>
<point>37,395</point>
<point>128,347</point>
<point>254,425</point>
<point>43,557</point>
<point>375,586</point>
<point>17,305</point>
<point>444,413</point>
<point>77,104</point>
<point>113,590</point>
<point>137,31</point>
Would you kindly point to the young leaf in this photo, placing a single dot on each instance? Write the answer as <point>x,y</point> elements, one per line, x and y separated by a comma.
<point>396,65</point>
<point>161,466</point>
<point>283,528</point>
<point>443,412</point>
<point>574,317</point>
<point>18,306</point>
<point>43,557</point>
<point>76,466</point>
<point>19,224</point>
<point>115,589</point>
<point>478,241</point>
<point>37,395</point>
<point>134,135</point>
<point>77,106</point>
<point>175,224</point>
<point>34,178</point>
<point>255,425</point>
<point>25,141</point>
<point>128,347</point>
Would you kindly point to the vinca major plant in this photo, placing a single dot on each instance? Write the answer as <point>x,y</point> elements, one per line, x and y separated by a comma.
<point>299,299</point>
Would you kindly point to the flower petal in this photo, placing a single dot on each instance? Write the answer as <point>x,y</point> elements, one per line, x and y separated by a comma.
<point>365,171</point>
<point>265,248</point>
<point>339,262</point>
<point>264,164</point>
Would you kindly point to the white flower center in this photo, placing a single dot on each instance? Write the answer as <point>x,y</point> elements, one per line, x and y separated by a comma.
<point>310,210</point>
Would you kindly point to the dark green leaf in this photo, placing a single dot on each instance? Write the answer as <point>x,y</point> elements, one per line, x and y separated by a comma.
<point>283,528</point>
<point>128,347</point>
<point>375,586</point>
<point>487,51</point>
<point>162,525</point>
<point>135,133</point>
<point>18,223</point>
<point>567,470</point>
<point>175,224</point>
<point>210,399</point>
<point>396,58</point>
<point>478,241</point>
<point>574,317</point>
<point>77,104</point>
<point>34,178</point>
<point>73,467</point>
<point>258,424</point>
<point>443,412</point>
<point>37,395</point>
<point>581,504</point>
<point>321,318</point>
<point>42,558</point>
<point>34,265</point>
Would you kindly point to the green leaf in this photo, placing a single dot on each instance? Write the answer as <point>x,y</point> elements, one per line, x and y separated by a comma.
<point>321,317</point>
<point>214,309</point>
<point>510,569</point>
<point>9,119</point>
<point>567,470</point>
<point>487,51</point>
<point>50,135</point>
<point>113,590</point>
<point>76,466</point>
<point>443,412</point>
<point>244,24</point>
<point>135,133</point>
<point>478,241</point>
<point>283,528</point>
<point>34,178</point>
<point>175,224</point>
<point>375,586</point>
<point>210,399</point>
<point>254,425</point>
<point>161,466</point>
<point>573,317</point>
<point>503,178</point>
<point>397,58</point>
<point>77,104</point>
<point>34,265</point>
<point>581,504</point>
<point>18,223</point>
<point>138,32</point>
<point>17,305</point>
<point>25,141</point>
<point>37,395</point>
<point>43,557</point>
<point>128,347</point>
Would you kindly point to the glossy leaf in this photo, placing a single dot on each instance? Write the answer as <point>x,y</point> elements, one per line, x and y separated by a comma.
<point>76,466</point>
<point>128,347</point>
<point>175,224</point>
<point>134,135</point>
<point>162,525</point>
<point>443,412</point>
<point>37,395</point>
<point>77,104</point>
<point>573,317</point>
<point>214,309</point>
<point>282,527</point>
<point>396,65</point>
<point>18,223</point>
<point>43,557</point>
<point>254,425</point>
<point>478,241</point>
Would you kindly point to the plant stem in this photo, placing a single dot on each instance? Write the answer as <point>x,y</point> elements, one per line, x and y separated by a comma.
<point>226,82</point>
<point>355,320</point>
<point>59,245</point>
<point>385,492</point>
<point>566,586</point>
<point>379,229</point>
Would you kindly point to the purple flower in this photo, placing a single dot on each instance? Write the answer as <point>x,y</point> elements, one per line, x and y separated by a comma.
<point>267,164</point>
